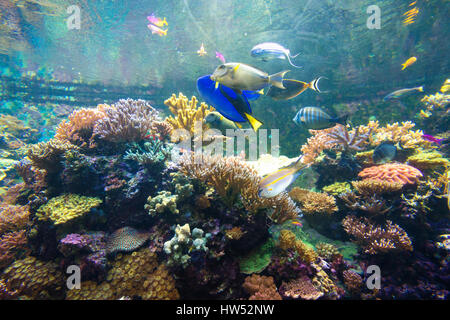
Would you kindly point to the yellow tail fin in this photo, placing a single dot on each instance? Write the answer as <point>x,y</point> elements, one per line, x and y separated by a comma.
<point>253,122</point>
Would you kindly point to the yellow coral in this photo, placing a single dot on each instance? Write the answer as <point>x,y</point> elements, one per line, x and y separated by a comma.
<point>47,155</point>
<point>337,188</point>
<point>287,240</point>
<point>186,114</point>
<point>66,207</point>
<point>314,202</point>
<point>234,233</point>
<point>371,187</point>
<point>427,160</point>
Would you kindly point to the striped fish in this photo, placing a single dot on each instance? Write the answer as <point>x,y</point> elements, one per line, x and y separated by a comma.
<point>275,183</point>
<point>317,119</point>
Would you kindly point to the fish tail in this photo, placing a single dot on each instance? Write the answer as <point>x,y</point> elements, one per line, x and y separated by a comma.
<point>404,66</point>
<point>277,79</point>
<point>253,122</point>
<point>314,85</point>
<point>165,32</point>
<point>288,56</point>
<point>341,120</point>
<point>420,89</point>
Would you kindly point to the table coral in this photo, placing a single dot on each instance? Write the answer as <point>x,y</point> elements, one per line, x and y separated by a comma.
<point>135,275</point>
<point>34,278</point>
<point>186,114</point>
<point>314,202</point>
<point>126,239</point>
<point>126,121</point>
<point>300,288</point>
<point>377,239</point>
<point>428,160</point>
<point>67,207</point>
<point>261,288</point>
<point>392,172</point>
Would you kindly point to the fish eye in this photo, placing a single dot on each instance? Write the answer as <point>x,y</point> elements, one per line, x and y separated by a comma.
<point>221,66</point>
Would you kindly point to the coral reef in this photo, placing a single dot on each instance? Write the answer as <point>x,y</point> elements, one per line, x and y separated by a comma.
<point>314,202</point>
<point>352,281</point>
<point>428,160</point>
<point>392,172</point>
<point>258,259</point>
<point>164,201</point>
<point>153,153</point>
<point>326,251</point>
<point>66,207</point>
<point>126,239</point>
<point>349,140</point>
<point>48,155</point>
<point>300,288</point>
<point>337,188</point>
<point>376,187</point>
<point>261,288</point>
<point>287,240</point>
<point>377,239</point>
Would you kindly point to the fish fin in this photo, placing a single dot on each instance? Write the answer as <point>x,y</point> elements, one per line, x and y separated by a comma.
<point>253,122</point>
<point>238,125</point>
<point>420,89</point>
<point>295,56</point>
<point>236,68</point>
<point>290,62</point>
<point>341,120</point>
<point>261,92</point>
<point>404,66</point>
<point>277,79</point>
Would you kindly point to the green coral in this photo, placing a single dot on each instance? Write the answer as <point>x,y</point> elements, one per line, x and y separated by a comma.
<point>152,152</point>
<point>258,259</point>
<point>337,188</point>
<point>67,207</point>
<point>164,201</point>
<point>182,184</point>
<point>427,160</point>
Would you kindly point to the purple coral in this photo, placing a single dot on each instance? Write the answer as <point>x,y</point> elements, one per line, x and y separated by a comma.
<point>126,239</point>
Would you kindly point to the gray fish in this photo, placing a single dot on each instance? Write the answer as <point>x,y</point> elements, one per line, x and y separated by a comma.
<point>271,50</point>
<point>399,93</point>
<point>385,152</point>
<point>317,119</point>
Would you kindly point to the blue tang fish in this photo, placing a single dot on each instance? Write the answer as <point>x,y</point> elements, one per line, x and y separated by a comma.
<point>227,102</point>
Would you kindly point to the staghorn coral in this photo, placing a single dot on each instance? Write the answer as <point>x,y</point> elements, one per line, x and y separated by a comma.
<point>126,121</point>
<point>428,160</point>
<point>372,205</point>
<point>79,128</point>
<point>337,188</point>
<point>66,207</point>
<point>261,288</point>
<point>10,244</point>
<point>135,275</point>
<point>34,278</point>
<point>349,140</point>
<point>186,114</point>
<point>392,172</point>
<point>376,239</point>
<point>300,288</point>
<point>126,239</point>
<point>48,155</point>
<point>376,187</point>
<point>164,201</point>
<point>13,218</point>
<point>314,202</point>
<point>162,129</point>
<point>233,180</point>
<point>287,240</point>
<point>316,144</point>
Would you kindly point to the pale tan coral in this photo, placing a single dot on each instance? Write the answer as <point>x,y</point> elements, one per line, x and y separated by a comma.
<point>352,281</point>
<point>370,187</point>
<point>13,218</point>
<point>316,144</point>
<point>48,155</point>
<point>261,288</point>
<point>314,202</point>
<point>234,233</point>
<point>300,288</point>
<point>186,114</point>
<point>326,251</point>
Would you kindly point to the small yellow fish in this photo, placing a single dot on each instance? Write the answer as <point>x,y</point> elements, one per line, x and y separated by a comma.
<point>409,62</point>
<point>424,114</point>
<point>202,52</point>
<point>412,3</point>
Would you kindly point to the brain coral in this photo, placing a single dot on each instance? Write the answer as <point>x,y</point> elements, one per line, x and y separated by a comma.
<point>392,172</point>
<point>126,239</point>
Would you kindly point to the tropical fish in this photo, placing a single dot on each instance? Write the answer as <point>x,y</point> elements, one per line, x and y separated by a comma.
<point>202,52</point>
<point>409,62</point>
<point>220,56</point>
<point>241,76</point>
<point>217,121</point>
<point>271,50</point>
<point>276,182</point>
<point>399,93</point>
<point>157,21</point>
<point>297,223</point>
<point>424,114</point>
<point>293,89</point>
<point>410,15</point>
<point>317,119</point>
<point>157,30</point>
<point>385,152</point>
<point>227,102</point>
<point>438,141</point>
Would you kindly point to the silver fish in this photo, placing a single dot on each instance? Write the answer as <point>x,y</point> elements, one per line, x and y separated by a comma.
<point>399,93</point>
<point>271,50</point>
<point>317,119</point>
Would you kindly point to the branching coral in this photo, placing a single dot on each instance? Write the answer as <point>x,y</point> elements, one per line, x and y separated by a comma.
<point>300,288</point>
<point>48,155</point>
<point>316,144</point>
<point>126,239</point>
<point>349,140</point>
<point>314,202</point>
<point>13,218</point>
<point>126,121</point>
<point>370,187</point>
<point>136,275</point>
<point>233,179</point>
<point>392,172</point>
<point>261,288</point>
<point>287,240</point>
<point>371,205</point>
<point>352,281</point>
<point>151,153</point>
<point>186,114</point>
<point>326,251</point>
<point>67,207</point>
<point>376,239</point>
<point>10,243</point>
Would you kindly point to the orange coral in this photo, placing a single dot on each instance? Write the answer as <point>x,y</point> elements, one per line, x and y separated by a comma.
<point>300,288</point>
<point>13,218</point>
<point>392,172</point>
<point>261,288</point>
<point>10,243</point>
<point>352,281</point>
<point>316,144</point>
<point>314,202</point>
<point>234,233</point>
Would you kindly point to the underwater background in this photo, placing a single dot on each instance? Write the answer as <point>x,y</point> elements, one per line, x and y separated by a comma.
<point>93,179</point>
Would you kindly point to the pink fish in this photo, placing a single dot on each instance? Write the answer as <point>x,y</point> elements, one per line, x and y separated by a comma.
<point>220,56</point>
<point>157,30</point>
<point>432,139</point>
<point>157,21</point>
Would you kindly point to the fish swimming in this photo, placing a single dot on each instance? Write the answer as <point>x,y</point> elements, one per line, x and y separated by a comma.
<point>399,93</point>
<point>409,62</point>
<point>271,50</point>
<point>317,119</point>
<point>434,139</point>
<point>157,30</point>
<point>217,121</point>
<point>157,21</point>
<point>384,152</point>
<point>227,102</point>
<point>202,52</point>
<point>276,182</point>
<point>241,76</point>
<point>220,56</point>
<point>293,89</point>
